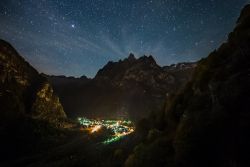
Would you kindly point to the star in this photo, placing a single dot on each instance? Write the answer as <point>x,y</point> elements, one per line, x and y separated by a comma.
<point>109,30</point>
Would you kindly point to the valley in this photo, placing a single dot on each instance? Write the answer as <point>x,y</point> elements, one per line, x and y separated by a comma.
<point>132,113</point>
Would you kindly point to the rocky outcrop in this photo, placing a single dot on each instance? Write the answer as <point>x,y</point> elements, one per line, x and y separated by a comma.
<point>47,106</point>
<point>23,91</point>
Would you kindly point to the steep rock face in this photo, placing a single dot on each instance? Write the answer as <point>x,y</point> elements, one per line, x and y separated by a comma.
<point>127,88</point>
<point>46,105</point>
<point>23,91</point>
<point>207,123</point>
<point>212,113</point>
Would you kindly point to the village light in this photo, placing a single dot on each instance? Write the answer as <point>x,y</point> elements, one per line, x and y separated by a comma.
<point>120,128</point>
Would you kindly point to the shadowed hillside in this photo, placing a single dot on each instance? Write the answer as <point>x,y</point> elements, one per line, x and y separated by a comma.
<point>28,107</point>
<point>207,123</point>
<point>187,115</point>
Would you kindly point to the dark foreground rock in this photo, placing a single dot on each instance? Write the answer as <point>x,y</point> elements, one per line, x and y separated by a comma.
<point>207,123</point>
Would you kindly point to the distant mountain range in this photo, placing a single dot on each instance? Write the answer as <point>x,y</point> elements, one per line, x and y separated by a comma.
<point>128,88</point>
<point>187,115</point>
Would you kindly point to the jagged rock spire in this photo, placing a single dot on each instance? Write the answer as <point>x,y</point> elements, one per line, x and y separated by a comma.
<point>131,56</point>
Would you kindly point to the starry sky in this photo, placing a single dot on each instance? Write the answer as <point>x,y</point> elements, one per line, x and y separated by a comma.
<point>78,37</point>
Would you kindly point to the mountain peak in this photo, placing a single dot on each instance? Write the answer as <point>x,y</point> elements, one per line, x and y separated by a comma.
<point>131,57</point>
<point>245,14</point>
<point>112,69</point>
<point>148,60</point>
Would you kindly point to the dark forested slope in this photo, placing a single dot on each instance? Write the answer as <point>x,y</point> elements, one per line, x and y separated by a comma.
<point>207,123</point>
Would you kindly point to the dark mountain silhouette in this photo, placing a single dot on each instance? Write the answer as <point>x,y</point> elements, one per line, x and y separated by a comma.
<point>128,88</point>
<point>29,110</point>
<point>24,92</point>
<point>207,123</point>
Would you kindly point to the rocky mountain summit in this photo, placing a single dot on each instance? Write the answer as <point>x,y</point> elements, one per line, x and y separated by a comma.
<point>132,87</point>
<point>187,115</point>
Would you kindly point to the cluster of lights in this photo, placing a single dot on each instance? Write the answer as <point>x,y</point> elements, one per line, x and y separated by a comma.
<point>96,128</point>
<point>120,128</point>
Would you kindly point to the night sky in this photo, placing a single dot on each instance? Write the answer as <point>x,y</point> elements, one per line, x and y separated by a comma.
<point>73,37</point>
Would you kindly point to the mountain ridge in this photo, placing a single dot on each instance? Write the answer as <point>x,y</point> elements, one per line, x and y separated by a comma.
<point>204,123</point>
<point>121,84</point>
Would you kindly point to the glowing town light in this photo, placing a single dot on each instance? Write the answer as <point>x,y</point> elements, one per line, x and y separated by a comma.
<point>96,128</point>
<point>120,128</point>
<point>111,140</point>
